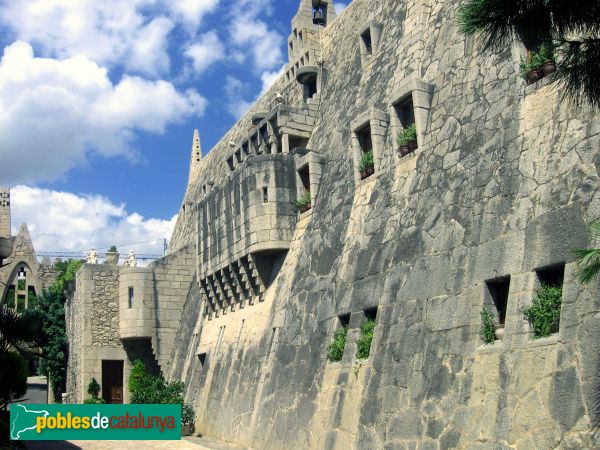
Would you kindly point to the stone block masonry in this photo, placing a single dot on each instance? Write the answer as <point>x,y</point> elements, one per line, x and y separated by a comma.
<point>502,184</point>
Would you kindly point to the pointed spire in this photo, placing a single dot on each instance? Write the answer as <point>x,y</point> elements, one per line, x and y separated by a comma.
<point>196,148</point>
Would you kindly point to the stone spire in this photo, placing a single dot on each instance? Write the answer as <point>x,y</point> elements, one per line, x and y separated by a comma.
<point>196,148</point>
<point>196,157</point>
<point>5,229</point>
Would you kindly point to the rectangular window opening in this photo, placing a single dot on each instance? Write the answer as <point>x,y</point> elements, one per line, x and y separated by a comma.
<point>371,313</point>
<point>344,320</point>
<point>552,276</point>
<point>230,163</point>
<point>304,174</point>
<point>498,290</point>
<point>364,139</point>
<point>265,195</point>
<point>406,112</point>
<point>130,297</point>
<point>202,360</point>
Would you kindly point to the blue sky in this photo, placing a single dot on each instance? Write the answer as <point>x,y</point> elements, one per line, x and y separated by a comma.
<point>99,101</point>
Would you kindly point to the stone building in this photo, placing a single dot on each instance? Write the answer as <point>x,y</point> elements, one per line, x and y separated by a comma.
<point>22,277</point>
<point>499,190</point>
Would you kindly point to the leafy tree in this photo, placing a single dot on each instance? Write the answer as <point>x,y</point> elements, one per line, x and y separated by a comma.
<point>572,25</point>
<point>56,349</point>
<point>146,388</point>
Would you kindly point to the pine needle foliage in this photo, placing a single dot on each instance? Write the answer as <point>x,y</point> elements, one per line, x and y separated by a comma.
<point>588,260</point>
<point>572,25</point>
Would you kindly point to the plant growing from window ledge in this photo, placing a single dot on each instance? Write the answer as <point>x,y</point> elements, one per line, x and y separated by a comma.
<point>407,140</point>
<point>487,326</point>
<point>335,351</point>
<point>112,249</point>
<point>366,167</point>
<point>364,341</point>
<point>303,203</point>
<point>544,313</point>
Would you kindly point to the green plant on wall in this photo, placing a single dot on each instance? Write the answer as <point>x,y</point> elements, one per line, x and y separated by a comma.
<point>407,135</point>
<point>544,313</point>
<point>303,201</point>
<point>21,285</point>
<point>335,351</point>
<point>112,249</point>
<point>366,161</point>
<point>487,326</point>
<point>364,341</point>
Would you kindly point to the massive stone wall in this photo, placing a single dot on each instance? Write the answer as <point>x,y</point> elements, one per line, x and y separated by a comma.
<point>504,181</point>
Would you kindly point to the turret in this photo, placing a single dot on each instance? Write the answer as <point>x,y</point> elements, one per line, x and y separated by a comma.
<point>196,157</point>
<point>5,229</point>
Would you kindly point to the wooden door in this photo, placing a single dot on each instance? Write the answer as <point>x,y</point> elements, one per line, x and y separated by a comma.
<point>112,381</point>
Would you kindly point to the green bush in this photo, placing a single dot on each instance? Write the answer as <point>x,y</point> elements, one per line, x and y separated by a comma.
<point>112,249</point>
<point>364,341</point>
<point>187,414</point>
<point>487,327</point>
<point>21,285</point>
<point>335,351</point>
<point>544,313</point>
<point>146,388</point>
<point>302,201</point>
<point>366,161</point>
<point>13,373</point>
<point>409,134</point>
<point>94,401</point>
<point>93,388</point>
<point>20,302</point>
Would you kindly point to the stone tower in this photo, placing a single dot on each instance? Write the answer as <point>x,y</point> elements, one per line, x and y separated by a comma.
<point>5,230</point>
<point>196,157</point>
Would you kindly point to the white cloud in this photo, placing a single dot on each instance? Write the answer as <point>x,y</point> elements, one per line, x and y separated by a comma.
<point>108,32</point>
<point>339,7</point>
<point>254,37</point>
<point>191,12</point>
<point>269,78</point>
<point>208,50</point>
<point>53,112</point>
<point>63,221</point>
<point>235,91</point>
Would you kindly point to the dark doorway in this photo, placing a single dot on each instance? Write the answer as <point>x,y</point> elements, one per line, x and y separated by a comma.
<point>112,381</point>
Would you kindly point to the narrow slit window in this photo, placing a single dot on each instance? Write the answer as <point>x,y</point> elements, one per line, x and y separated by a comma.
<point>230,163</point>
<point>265,195</point>
<point>130,297</point>
<point>364,139</point>
<point>498,290</point>
<point>406,112</point>
<point>366,38</point>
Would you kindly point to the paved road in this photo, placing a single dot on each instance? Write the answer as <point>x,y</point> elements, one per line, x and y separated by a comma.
<point>37,391</point>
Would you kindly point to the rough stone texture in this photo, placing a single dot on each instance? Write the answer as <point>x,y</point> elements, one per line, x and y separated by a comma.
<point>504,181</point>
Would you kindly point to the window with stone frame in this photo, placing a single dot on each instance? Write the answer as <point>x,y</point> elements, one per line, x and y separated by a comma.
<point>369,39</point>
<point>368,142</point>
